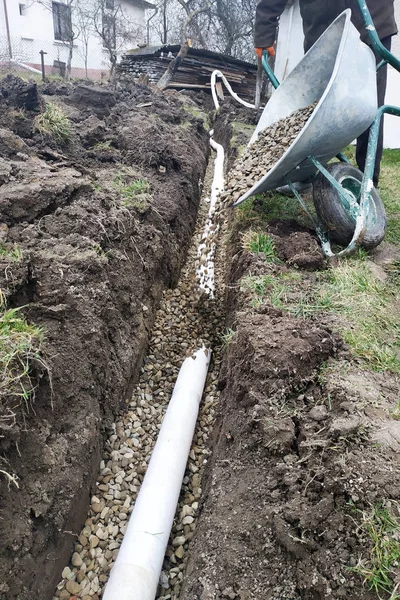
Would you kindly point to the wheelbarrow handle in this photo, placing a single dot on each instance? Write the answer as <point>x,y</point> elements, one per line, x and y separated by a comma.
<point>268,70</point>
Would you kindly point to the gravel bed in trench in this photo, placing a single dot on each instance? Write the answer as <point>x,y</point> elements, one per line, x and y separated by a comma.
<point>264,153</point>
<point>186,319</point>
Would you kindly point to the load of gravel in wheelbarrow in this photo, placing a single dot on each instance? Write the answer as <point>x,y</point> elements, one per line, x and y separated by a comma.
<point>260,157</point>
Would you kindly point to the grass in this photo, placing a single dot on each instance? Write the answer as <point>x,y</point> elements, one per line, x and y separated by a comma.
<point>268,207</point>
<point>13,253</point>
<point>102,146</point>
<point>20,348</point>
<point>134,193</point>
<point>368,319</point>
<point>382,525</point>
<point>227,337</point>
<point>257,242</point>
<point>55,124</point>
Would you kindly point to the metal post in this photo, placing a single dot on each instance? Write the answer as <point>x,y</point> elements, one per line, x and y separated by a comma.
<point>7,29</point>
<point>42,53</point>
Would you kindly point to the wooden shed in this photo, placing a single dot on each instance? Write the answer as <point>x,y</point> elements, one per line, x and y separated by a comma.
<point>195,70</point>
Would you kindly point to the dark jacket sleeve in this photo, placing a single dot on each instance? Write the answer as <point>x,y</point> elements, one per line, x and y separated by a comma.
<point>267,17</point>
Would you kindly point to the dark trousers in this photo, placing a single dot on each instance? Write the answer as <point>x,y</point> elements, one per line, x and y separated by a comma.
<point>362,141</point>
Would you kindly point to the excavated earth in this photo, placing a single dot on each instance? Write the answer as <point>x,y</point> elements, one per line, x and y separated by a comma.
<point>303,432</point>
<point>306,438</point>
<point>93,267</point>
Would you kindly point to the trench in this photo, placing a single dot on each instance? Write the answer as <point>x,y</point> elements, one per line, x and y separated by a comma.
<point>186,319</point>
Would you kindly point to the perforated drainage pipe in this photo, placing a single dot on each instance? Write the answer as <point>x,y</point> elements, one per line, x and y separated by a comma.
<point>137,569</point>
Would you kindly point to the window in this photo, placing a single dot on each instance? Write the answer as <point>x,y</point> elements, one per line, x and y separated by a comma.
<point>110,4</point>
<point>22,10</point>
<point>108,24</point>
<point>62,22</point>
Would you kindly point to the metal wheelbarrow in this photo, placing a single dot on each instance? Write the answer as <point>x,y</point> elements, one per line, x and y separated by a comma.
<point>340,72</point>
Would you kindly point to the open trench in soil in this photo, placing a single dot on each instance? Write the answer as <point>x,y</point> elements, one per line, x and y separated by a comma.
<point>281,454</point>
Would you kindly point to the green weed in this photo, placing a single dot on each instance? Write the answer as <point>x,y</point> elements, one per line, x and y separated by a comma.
<point>382,525</point>
<point>13,253</point>
<point>227,337</point>
<point>54,123</point>
<point>102,146</point>
<point>20,348</point>
<point>99,251</point>
<point>134,193</point>
<point>257,242</point>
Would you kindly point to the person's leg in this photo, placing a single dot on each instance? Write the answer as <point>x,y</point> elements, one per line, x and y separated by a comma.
<point>362,141</point>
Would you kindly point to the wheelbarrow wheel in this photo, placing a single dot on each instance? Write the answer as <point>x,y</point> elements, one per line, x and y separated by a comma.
<point>337,217</point>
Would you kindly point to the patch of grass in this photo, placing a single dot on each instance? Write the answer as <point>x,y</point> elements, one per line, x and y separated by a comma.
<point>370,323</point>
<point>135,193</point>
<point>99,251</point>
<point>272,206</point>
<point>13,253</point>
<point>195,111</point>
<point>382,525</point>
<point>256,242</point>
<point>55,124</point>
<point>281,290</point>
<point>102,146</point>
<point>368,311</point>
<point>20,349</point>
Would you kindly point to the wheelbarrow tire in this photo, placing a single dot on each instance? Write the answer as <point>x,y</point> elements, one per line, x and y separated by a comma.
<point>330,210</point>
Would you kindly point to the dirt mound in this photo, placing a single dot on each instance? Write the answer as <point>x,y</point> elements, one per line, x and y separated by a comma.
<point>87,245</point>
<point>291,458</point>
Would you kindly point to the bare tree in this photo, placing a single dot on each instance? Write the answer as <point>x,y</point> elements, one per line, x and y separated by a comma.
<point>65,26</point>
<point>115,29</point>
<point>85,24</point>
<point>191,11</point>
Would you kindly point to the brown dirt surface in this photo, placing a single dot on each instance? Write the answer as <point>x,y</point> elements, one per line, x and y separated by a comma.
<point>94,260</point>
<point>305,436</point>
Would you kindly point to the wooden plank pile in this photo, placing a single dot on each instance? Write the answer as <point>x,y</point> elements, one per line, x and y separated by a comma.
<point>194,72</point>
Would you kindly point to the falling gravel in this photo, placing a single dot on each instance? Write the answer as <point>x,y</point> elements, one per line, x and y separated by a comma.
<point>264,153</point>
<point>186,320</point>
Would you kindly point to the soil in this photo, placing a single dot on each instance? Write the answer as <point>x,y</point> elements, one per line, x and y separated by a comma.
<point>92,271</point>
<point>304,435</point>
<point>304,432</point>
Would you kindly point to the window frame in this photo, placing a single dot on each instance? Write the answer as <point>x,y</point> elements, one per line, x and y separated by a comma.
<point>62,23</point>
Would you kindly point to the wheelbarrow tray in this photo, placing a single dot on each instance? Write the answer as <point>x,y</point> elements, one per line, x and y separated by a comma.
<point>340,72</point>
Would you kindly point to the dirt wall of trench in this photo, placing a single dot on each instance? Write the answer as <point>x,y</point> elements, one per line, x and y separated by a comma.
<point>94,263</point>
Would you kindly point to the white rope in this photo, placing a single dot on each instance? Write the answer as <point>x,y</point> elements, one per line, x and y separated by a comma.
<point>220,75</point>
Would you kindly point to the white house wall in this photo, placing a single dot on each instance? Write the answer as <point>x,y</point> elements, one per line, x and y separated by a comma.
<point>290,51</point>
<point>34,32</point>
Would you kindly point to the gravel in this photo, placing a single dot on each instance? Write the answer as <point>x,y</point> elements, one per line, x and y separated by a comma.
<point>264,153</point>
<point>186,320</point>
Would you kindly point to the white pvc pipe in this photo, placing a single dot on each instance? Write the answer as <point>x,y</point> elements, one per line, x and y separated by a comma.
<point>27,67</point>
<point>139,562</point>
<point>214,76</point>
<point>205,270</point>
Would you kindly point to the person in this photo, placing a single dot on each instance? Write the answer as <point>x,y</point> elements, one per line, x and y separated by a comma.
<point>317,15</point>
